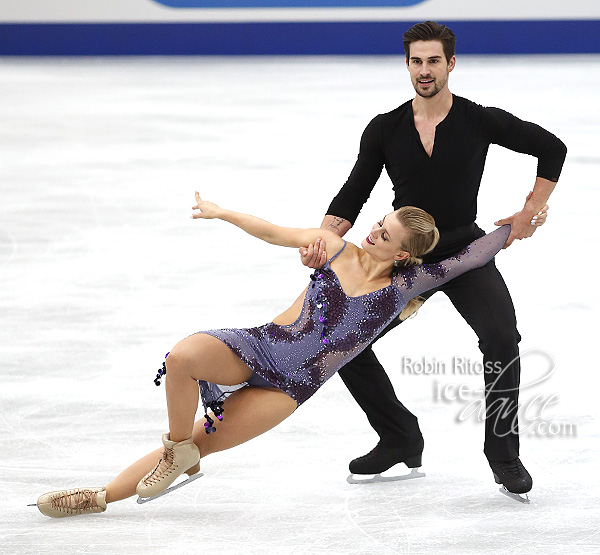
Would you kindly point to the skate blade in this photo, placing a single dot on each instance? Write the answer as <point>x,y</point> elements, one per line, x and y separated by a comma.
<point>142,500</point>
<point>414,473</point>
<point>516,496</point>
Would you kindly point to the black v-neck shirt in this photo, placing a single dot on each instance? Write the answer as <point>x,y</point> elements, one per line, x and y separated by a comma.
<point>447,183</point>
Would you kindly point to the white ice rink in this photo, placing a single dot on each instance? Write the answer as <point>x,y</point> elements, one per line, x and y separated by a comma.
<point>102,272</point>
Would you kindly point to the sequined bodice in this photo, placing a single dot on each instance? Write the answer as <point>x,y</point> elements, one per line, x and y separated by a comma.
<point>332,328</point>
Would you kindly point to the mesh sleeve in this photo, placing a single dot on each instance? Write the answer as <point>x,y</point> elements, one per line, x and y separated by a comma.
<point>414,280</point>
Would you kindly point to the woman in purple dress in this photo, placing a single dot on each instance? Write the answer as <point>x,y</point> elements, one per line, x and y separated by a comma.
<point>276,367</point>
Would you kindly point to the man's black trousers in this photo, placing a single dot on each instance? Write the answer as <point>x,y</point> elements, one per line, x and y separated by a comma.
<point>483,300</point>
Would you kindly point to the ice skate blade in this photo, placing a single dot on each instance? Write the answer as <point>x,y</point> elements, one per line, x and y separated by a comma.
<point>142,500</point>
<point>414,473</point>
<point>516,496</point>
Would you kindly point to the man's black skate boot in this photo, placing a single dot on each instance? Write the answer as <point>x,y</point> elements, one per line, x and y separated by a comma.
<point>381,458</point>
<point>512,475</point>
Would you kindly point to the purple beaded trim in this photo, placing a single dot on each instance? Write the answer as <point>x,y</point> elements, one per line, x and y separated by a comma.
<point>321,305</point>
<point>217,408</point>
<point>161,371</point>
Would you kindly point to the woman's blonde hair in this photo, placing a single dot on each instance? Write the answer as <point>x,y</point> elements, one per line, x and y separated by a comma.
<point>422,238</point>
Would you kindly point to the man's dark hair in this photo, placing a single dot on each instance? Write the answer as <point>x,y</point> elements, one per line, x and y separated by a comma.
<point>430,30</point>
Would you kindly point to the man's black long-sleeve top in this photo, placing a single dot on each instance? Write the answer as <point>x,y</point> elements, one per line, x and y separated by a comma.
<point>447,183</point>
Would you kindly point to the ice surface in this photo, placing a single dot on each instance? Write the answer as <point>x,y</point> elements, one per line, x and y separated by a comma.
<point>102,271</point>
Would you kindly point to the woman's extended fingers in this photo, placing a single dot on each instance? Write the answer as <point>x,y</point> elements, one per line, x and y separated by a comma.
<point>207,210</point>
<point>198,201</point>
<point>197,206</point>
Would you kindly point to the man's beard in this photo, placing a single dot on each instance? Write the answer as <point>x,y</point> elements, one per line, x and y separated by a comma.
<point>437,87</point>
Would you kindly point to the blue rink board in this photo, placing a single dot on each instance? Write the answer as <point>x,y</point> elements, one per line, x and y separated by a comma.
<point>289,38</point>
<point>287,3</point>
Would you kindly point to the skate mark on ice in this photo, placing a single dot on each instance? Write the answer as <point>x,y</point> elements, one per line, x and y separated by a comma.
<point>364,519</point>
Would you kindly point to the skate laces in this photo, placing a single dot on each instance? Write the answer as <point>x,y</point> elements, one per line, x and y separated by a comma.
<point>77,501</point>
<point>163,468</point>
<point>372,454</point>
<point>514,469</point>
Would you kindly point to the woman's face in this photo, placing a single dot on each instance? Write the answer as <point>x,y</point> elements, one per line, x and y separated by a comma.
<point>386,239</point>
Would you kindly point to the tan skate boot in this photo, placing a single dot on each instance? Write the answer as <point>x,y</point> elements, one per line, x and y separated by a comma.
<point>71,502</point>
<point>177,458</point>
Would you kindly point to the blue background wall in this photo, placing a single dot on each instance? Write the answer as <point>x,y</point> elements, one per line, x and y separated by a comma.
<point>257,27</point>
<point>475,37</point>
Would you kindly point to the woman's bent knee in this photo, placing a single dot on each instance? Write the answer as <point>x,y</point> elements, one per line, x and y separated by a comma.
<point>205,357</point>
<point>176,361</point>
<point>184,354</point>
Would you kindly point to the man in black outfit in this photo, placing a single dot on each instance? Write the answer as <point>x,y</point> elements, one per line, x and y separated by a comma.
<point>434,149</point>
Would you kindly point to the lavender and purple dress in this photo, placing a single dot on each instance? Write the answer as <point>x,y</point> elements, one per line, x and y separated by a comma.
<point>332,327</point>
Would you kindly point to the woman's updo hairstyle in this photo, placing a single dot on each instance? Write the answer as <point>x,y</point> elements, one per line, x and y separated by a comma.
<point>422,238</point>
<point>423,235</point>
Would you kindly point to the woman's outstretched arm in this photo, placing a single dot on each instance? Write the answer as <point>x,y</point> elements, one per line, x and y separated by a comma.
<point>415,280</point>
<point>271,233</point>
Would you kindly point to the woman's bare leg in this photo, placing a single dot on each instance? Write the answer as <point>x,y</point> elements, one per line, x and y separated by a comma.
<point>248,412</point>
<point>198,357</point>
<point>124,484</point>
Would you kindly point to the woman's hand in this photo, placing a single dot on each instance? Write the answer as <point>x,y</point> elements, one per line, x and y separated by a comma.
<point>208,210</point>
<point>315,255</point>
